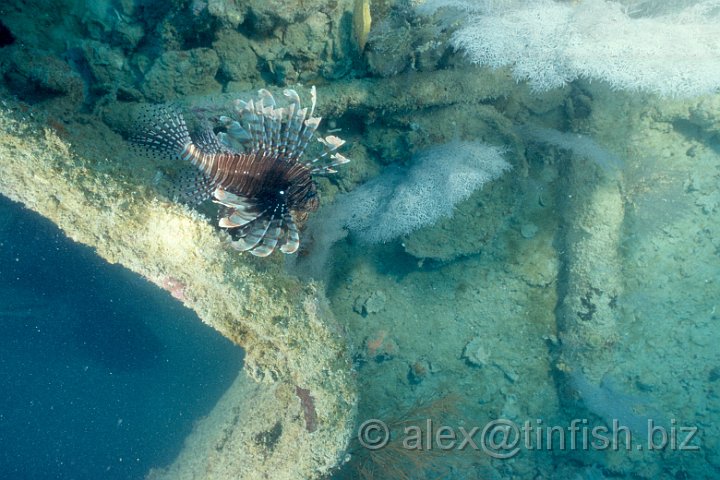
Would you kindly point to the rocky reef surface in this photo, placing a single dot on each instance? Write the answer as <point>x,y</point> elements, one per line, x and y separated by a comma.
<point>568,282</point>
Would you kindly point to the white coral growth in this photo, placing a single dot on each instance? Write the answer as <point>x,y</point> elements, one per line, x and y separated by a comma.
<point>398,203</point>
<point>549,44</point>
<point>402,200</point>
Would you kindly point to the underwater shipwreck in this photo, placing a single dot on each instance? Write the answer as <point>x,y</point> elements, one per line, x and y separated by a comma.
<point>456,239</point>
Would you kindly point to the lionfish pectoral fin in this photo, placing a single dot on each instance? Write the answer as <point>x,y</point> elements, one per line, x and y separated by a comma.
<point>262,236</point>
<point>241,245</point>
<point>234,215</point>
<point>241,218</point>
<point>292,240</point>
<point>231,200</point>
<point>225,222</point>
<point>252,234</point>
<point>270,239</point>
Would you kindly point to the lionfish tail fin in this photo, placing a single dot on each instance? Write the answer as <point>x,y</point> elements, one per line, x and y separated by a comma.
<point>190,186</point>
<point>163,131</point>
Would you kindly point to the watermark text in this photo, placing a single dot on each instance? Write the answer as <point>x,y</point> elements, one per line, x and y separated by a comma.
<point>502,438</point>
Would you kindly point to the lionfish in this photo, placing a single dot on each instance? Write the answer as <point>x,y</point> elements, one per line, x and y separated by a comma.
<point>254,169</point>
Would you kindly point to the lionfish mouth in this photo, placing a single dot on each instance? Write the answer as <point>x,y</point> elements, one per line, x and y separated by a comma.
<point>254,169</point>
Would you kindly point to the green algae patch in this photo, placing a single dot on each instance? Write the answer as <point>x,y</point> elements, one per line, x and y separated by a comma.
<point>294,420</point>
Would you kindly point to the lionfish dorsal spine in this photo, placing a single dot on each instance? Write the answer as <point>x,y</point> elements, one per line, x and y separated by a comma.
<point>311,124</point>
<point>294,131</point>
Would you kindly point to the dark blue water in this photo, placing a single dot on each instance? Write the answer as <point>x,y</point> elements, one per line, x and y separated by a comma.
<point>101,373</point>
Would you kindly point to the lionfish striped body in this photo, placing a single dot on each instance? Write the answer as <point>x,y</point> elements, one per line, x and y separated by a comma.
<point>263,191</point>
